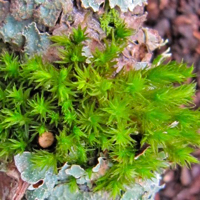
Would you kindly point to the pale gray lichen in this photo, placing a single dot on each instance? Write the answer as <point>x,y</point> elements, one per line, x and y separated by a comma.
<point>11,31</point>
<point>47,12</point>
<point>76,171</point>
<point>47,15</point>
<point>43,192</point>
<point>126,5</point>
<point>44,12</point>
<point>145,190</point>
<point>63,192</point>
<point>35,41</point>
<point>22,9</point>
<point>21,23</point>
<point>94,4</point>
<point>25,167</point>
<point>55,187</point>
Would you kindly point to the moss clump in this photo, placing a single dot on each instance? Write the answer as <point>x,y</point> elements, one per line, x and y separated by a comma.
<point>131,117</point>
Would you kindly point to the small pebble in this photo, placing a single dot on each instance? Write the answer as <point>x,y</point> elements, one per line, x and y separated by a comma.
<point>183,194</point>
<point>195,187</point>
<point>185,178</point>
<point>169,176</point>
<point>195,171</point>
<point>46,139</point>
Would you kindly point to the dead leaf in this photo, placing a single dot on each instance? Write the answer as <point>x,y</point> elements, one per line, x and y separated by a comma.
<point>12,187</point>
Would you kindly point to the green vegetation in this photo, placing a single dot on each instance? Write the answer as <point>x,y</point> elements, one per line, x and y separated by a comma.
<point>90,110</point>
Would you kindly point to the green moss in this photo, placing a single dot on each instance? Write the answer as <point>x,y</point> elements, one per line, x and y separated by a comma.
<point>111,22</point>
<point>91,111</point>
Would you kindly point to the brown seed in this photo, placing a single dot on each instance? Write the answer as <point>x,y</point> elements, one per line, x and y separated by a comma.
<point>46,139</point>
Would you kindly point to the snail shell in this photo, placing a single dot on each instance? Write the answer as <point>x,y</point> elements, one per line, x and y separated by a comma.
<point>46,139</point>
